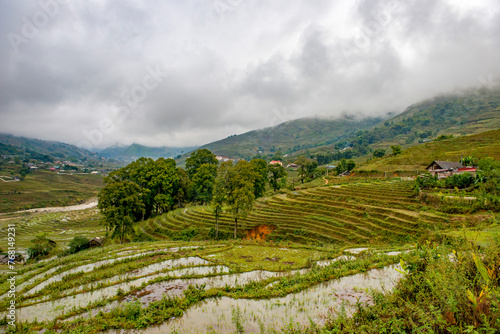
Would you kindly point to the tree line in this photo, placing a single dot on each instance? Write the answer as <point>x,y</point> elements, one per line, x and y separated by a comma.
<point>146,188</point>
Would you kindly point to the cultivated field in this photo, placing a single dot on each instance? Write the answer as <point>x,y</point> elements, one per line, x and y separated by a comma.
<point>310,256</point>
<point>360,213</point>
<point>44,188</point>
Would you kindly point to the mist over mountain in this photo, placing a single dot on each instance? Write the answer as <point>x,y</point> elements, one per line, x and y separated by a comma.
<point>179,74</point>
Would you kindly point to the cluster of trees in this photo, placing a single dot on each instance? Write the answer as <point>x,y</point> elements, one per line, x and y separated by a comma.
<point>146,188</point>
<point>345,166</point>
<point>307,168</point>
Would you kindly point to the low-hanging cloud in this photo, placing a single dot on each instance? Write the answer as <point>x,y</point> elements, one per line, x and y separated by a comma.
<point>98,73</point>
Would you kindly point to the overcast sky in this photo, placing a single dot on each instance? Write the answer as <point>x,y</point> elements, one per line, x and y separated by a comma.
<point>183,73</point>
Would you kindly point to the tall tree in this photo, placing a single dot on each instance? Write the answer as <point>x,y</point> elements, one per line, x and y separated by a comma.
<point>220,193</point>
<point>181,193</point>
<point>305,166</point>
<point>121,204</point>
<point>157,180</point>
<point>240,191</point>
<point>276,175</point>
<point>345,166</point>
<point>162,183</point>
<point>261,176</point>
<point>198,158</point>
<point>396,149</point>
<point>203,183</point>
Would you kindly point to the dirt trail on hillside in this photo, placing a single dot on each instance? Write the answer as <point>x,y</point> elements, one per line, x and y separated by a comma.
<point>90,204</point>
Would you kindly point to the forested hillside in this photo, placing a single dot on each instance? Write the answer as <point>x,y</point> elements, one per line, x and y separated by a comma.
<point>459,114</point>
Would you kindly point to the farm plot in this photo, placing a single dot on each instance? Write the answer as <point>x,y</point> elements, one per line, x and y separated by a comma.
<point>349,214</point>
<point>60,227</point>
<point>73,291</point>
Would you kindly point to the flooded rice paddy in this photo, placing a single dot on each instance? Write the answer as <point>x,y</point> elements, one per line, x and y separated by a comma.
<point>314,304</point>
<point>221,266</point>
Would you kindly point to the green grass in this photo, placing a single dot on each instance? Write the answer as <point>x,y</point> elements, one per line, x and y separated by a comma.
<point>484,236</point>
<point>252,257</point>
<point>486,144</point>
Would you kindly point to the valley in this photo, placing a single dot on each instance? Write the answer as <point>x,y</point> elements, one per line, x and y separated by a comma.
<point>281,243</point>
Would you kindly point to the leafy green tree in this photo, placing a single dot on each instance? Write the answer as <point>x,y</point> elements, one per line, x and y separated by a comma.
<point>276,175</point>
<point>396,149</point>
<point>158,182</point>
<point>220,192</point>
<point>488,176</point>
<point>121,204</point>
<point>240,191</point>
<point>307,167</point>
<point>198,158</point>
<point>23,172</point>
<point>162,184</point>
<point>379,153</point>
<point>311,168</point>
<point>260,168</point>
<point>203,183</point>
<point>181,191</point>
<point>302,162</point>
<point>468,161</point>
<point>278,155</point>
<point>78,244</point>
<point>345,166</point>
<point>40,247</point>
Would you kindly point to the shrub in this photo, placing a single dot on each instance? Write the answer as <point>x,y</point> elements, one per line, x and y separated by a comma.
<point>40,247</point>
<point>461,181</point>
<point>186,234</point>
<point>78,244</point>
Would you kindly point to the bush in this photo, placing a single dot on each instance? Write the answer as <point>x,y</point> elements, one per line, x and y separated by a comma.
<point>461,181</point>
<point>78,244</point>
<point>186,235</point>
<point>40,247</point>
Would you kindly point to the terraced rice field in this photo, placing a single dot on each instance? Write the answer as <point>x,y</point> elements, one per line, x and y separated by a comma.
<point>362,213</point>
<point>60,227</point>
<point>325,249</point>
<point>91,289</point>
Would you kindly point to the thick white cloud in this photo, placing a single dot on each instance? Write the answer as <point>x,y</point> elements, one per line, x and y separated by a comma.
<point>182,73</point>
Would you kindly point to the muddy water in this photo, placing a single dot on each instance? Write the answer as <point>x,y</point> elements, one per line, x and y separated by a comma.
<point>156,268</point>
<point>355,250</point>
<point>324,263</point>
<point>92,266</point>
<point>156,291</point>
<point>147,270</point>
<point>58,277</point>
<point>49,310</point>
<point>214,316</point>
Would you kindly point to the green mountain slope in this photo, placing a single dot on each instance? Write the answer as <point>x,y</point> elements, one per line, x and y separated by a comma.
<point>464,113</point>
<point>41,149</point>
<point>416,158</point>
<point>289,137</point>
<point>457,114</point>
<point>135,151</point>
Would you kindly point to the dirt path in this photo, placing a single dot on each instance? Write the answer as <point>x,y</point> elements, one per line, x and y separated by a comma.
<point>90,204</point>
<point>8,179</point>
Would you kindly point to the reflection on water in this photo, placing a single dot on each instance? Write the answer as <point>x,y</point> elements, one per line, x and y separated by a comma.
<point>356,250</point>
<point>214,316</point>
<point>49,310</point>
